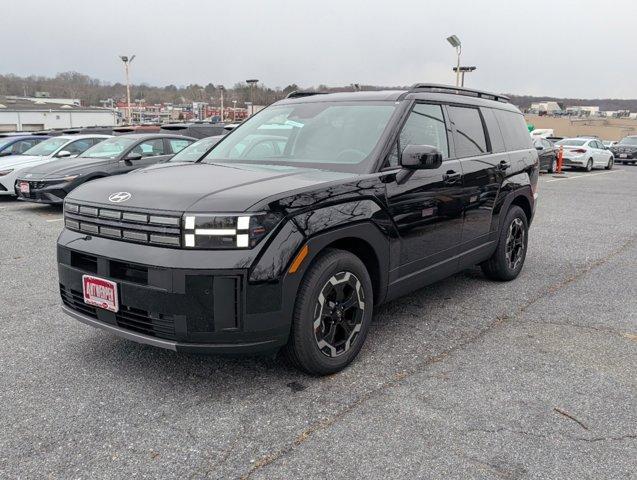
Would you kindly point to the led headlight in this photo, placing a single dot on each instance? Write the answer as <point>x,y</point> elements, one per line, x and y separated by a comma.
<point>68,178</point>
<point>226,231</point>
<point>5,172</point>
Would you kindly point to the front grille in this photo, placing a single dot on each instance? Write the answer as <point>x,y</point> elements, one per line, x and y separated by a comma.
<point>75,300</point>
<point>129,318</point>
<point>140,321</point>
<point>125,225</point>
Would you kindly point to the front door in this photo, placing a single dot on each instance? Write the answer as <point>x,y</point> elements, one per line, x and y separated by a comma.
<point>152,151</point>
<point>426,205</point>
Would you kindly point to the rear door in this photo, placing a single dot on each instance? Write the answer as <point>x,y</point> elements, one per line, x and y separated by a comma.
<point>484,161</point>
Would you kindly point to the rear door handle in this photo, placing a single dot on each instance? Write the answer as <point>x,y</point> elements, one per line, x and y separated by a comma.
<point>451,177</point>
<point>504,165</point>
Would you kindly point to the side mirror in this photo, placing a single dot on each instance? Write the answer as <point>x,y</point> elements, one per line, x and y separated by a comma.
<point>133,156</point>
<point>539,147</point>
<point>63,154</point>
<point>419,157</point>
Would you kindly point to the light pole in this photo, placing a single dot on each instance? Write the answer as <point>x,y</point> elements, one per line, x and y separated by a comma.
<point>464,70</point>
<point>252,82</point>
<point>234,110</point>
<point>127,61</point>
<point>222,88</point>
<point>457,44</point>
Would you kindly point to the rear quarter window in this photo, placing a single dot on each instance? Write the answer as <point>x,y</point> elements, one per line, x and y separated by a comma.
<point>495,135</point>
<point>469,136</point>
<point>514,130</point>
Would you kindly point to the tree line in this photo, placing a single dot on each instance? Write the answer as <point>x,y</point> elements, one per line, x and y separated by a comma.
<point>92,91</point>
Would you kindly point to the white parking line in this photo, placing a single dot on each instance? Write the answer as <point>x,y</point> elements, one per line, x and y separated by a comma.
<point>583,176</point>
<point>55,220</point>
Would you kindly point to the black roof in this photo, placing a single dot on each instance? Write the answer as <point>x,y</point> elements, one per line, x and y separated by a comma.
<point>144,136</point>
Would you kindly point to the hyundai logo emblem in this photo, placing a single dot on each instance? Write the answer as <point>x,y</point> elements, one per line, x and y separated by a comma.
<point>119,197</point>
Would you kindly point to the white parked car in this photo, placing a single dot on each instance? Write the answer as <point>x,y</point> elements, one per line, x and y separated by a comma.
<point>64,146</point>
<point>586,153</point>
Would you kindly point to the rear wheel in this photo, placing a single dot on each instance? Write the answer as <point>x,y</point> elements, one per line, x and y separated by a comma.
<point>609,166</point>
<point>332,314</point>
<point>553,166</point>
<point>589,165</point>
<point>508,259</point>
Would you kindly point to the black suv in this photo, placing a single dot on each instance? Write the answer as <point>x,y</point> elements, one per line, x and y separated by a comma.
<point>625,151</point>
<point>296,224</point>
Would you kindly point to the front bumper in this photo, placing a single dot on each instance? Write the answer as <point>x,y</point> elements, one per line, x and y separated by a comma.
<point>39,192</point>
<point>180,300</point>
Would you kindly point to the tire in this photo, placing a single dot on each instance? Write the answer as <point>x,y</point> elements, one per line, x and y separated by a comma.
<point>553,166</point>
<point>609,166</point>
<point>500,266</point>
<point>332,344</point>
<point>589,165</point>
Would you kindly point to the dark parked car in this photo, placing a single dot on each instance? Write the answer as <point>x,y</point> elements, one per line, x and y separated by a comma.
<point>51,182</point>
<point>625,151</point>
<point>302,220</point>
<point>18,144</point>
<point>196,129</point>
<point>547,153</point>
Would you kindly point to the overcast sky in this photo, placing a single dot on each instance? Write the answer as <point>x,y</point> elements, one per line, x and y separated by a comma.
<point>582,48</point>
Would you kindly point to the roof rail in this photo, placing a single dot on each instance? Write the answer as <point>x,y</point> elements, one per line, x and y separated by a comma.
<point>301,93</point>
<point>433,87</point>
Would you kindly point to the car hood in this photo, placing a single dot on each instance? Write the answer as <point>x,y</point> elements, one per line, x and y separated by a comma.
<point>68,166</point>
<point>624,148</point>
<point>200,187</point>
<point>20,161</point>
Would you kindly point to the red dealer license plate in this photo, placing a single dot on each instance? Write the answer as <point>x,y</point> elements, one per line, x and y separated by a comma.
<point>100,293</point>
<point>24,187</point>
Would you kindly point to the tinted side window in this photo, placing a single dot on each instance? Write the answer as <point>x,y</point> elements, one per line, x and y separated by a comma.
<point>514,130</point>
<point>493,129</point>
<point>469,138</point>
<point>150,148</point>
<point>424,126</point>
<point>177,145</point>
<point>79,146</point>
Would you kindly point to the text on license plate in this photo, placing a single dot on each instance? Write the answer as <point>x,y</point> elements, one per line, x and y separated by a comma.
<point>623,155</point>
<point>100,293</point>
<point>24,187</point>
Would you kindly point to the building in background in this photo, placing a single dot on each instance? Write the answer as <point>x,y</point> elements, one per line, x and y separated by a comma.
<point>19,114</point>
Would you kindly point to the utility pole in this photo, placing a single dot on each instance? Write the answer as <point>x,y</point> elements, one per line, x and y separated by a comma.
<point>252,82</point>
<point>127,61</point>
<point>234,110</point>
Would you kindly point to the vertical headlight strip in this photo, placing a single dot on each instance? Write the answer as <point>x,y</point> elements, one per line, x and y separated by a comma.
<point>240,232</point>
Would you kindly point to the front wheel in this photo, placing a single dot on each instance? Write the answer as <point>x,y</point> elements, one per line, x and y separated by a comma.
<point>609,166</point>
<point>508,259</point>
<point>589,165</point>
<point>332,314</point>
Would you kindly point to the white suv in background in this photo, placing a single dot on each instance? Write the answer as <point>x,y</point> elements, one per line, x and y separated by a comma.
<point>64,146</point>
<point>586,153</point>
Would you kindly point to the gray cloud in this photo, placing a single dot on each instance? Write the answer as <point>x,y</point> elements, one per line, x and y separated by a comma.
<point>571,48</point>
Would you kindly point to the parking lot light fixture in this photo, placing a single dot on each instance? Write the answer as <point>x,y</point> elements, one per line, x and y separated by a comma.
<point>127,61</point>
<point>252,82</point>
<point>457,44</point>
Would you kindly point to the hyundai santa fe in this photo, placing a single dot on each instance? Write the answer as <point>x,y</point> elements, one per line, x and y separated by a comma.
<point>297,224</point>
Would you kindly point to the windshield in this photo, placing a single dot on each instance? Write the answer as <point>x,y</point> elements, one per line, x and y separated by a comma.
<point>194,152</point>
<point>569,142</point>
<point>46,147</point>
<point>337,136</point>
<point>5,141</point>
<point>110,148</point>
<point>628,141</point>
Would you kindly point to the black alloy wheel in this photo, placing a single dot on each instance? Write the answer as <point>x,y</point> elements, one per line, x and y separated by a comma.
<point>332,314</point>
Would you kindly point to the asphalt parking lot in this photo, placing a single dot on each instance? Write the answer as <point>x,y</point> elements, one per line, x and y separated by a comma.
<point>464,379</point>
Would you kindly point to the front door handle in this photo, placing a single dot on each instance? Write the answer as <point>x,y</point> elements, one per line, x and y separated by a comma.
<point>504,165</point>
<point>451,177</point>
